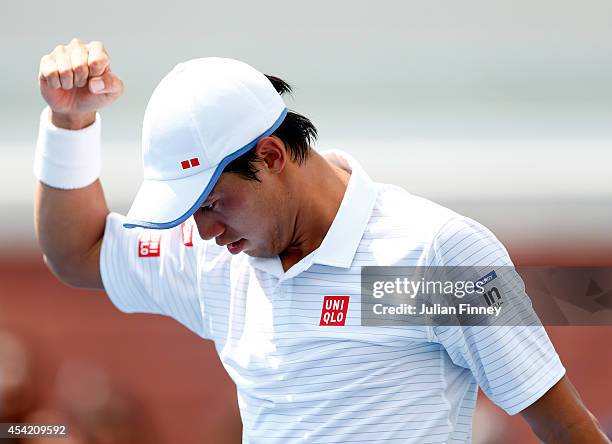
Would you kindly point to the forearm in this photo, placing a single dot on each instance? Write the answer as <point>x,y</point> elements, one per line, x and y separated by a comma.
<point>560,417</point>
<point>584,430</point>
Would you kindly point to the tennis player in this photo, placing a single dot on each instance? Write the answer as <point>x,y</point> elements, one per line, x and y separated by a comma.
<point>251,238</point>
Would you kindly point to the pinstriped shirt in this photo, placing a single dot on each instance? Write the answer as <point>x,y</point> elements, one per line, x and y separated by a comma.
<point>301,382</point>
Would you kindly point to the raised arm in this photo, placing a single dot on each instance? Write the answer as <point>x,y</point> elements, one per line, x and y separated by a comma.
<point>70,209</point>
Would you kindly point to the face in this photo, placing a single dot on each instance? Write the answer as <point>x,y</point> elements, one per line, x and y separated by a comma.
<point>246,215</point>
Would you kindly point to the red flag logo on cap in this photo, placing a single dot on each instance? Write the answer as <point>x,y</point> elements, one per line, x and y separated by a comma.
<point>190,163</point>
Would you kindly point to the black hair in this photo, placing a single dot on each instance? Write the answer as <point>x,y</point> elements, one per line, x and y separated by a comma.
<point>296,131</point>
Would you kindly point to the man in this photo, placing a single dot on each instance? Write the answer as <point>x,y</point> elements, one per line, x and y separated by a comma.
<point>280,227</point>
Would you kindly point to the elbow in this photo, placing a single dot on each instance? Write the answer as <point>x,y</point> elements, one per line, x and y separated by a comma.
<point>80,270</point>
<point>65,271</point>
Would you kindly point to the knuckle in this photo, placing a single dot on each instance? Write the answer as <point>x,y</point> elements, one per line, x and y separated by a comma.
<point>76,41</point>
<point>59,49</point>
<point>78,57</point>
<point>65,73</point>
<point>80,69</point>
<point>94,65</point>
<point>45,60</point>
<point>54,82</point>
<point>49,73</point>
<point>98,47</point>
<point>97,63</point>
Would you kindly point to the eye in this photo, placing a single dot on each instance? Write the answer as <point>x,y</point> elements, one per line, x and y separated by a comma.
<point>211,206</point>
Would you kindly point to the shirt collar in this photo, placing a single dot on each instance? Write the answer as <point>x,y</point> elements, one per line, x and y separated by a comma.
<point>341,241</point>
<point>344,235</point>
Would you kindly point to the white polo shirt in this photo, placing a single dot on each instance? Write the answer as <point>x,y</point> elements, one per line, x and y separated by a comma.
<point>298,381</point>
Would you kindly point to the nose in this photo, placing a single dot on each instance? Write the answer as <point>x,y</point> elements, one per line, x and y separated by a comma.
<point>208,227</point>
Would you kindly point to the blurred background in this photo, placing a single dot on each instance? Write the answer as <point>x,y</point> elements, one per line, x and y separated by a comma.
<point>501,111</point>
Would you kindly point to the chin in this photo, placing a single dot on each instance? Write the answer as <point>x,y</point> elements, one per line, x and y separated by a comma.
<point>255,253</point>
<point>259,252</point>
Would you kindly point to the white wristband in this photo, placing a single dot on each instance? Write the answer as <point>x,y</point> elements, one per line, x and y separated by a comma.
<point>67,159</point>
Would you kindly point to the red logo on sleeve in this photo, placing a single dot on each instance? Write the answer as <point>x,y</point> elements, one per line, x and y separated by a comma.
<point>334,310</point>
<point>187,233</point>
<point>149,244</point>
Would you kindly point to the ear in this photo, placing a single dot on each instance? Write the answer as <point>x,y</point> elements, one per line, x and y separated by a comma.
<point>272,153</point>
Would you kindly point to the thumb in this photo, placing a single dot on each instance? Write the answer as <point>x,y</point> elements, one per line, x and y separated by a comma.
<point>107,83</point>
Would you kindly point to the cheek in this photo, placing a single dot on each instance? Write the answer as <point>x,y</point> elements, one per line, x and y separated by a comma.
<point>243,219</point>
<point>256,222</point>
<point>254,210</point>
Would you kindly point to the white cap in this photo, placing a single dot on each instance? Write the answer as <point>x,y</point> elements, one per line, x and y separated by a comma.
<point>205,113</point>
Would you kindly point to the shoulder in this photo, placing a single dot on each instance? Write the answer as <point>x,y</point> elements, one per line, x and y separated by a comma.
<point>444,236</point>
<point>397,209</point>
<point>402,227</point>
<point>462,241</point>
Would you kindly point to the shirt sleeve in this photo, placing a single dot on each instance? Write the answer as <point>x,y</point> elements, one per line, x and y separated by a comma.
<point>514,363</point>
<point>152,271</point>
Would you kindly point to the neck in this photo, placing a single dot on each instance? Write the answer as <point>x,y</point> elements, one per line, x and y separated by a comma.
<point>319,190</point>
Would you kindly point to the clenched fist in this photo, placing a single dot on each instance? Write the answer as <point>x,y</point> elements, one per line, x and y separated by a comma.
<point>76,81</point>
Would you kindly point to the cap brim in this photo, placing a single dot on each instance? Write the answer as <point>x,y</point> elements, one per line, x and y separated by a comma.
<point>162,204</point>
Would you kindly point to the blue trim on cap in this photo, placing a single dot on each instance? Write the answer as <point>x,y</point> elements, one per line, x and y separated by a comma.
<point>164,225</point>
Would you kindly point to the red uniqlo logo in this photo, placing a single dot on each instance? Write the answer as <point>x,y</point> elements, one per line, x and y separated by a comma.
<point>190,163</point>
<point>148,245</point>
<point>187,234</point>
<point>334,310</point>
